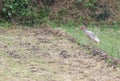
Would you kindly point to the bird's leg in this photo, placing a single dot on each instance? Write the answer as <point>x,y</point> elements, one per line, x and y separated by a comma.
<point>90,43</point>
<point>90,46</point>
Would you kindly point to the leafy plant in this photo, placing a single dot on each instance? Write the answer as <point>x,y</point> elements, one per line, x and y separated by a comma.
<point>90,3</point>
<point>23,11</point>
<point>109,61</point>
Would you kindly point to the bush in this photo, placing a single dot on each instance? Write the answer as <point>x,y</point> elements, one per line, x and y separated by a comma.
<point>23,12</point>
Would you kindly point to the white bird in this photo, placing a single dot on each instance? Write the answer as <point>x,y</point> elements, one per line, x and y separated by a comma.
<point>90,34</point>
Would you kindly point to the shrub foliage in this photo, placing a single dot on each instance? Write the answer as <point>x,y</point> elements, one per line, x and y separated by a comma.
<point>26,12</point>
<point>30,12</point>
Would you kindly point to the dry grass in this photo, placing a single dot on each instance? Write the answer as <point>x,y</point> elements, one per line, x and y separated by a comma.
<point>38,55</point>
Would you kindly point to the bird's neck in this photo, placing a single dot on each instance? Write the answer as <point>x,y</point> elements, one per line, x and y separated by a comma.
<point>84,30</point>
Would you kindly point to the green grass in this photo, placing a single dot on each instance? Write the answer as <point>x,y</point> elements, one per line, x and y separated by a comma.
<point>5,24</point>
<point>109,37</point>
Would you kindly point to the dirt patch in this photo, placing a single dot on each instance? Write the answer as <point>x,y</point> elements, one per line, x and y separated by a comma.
<point>45,54</point>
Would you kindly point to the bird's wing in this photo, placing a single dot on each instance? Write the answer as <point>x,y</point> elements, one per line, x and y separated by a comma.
<point>89,33</point>
<point>92,36</point>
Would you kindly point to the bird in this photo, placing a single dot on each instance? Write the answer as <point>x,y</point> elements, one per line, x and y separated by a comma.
<point>90,34</point>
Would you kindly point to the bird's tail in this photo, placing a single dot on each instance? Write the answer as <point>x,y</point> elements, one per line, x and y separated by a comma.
<point>97,40</point>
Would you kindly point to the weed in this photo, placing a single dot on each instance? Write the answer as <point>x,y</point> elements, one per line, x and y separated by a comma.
<point>109,61</point>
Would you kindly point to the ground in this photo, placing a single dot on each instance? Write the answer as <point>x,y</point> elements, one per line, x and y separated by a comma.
<point>45,54</point>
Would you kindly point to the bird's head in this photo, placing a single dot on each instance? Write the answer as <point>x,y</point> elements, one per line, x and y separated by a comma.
<point>83,27</point>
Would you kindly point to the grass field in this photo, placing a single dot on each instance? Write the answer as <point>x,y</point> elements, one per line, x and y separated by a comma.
<point>109,37</point>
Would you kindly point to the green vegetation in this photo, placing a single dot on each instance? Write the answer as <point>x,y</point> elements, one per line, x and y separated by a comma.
<point>24,12</point>
<point>32,12</point>
<point>109,61</point>
<point>109,37</point>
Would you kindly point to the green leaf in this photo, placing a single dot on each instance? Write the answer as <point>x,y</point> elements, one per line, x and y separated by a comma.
<point>9,14</point>
<point>4,9</point>
<point>10,6</point>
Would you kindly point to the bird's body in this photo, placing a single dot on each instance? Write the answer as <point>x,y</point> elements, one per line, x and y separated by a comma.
<point>90,34</point>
